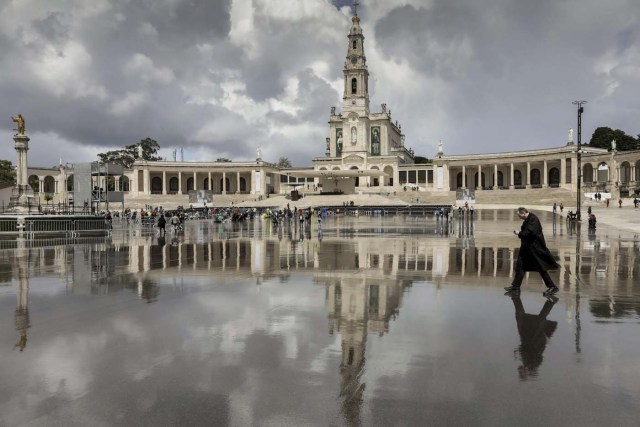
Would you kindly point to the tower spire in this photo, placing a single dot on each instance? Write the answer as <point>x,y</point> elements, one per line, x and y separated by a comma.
<point>355,7</point>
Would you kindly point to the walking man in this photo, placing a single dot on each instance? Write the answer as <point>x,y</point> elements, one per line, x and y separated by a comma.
<point>533,254</point>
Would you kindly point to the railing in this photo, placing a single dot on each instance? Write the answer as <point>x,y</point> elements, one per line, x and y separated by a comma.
<point>72,226</point>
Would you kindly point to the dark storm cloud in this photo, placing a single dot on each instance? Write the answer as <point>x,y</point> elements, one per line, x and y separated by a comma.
<point>216,77</point>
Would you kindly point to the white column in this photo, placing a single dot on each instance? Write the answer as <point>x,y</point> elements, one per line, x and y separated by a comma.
<point>210,182</point>
<point>145,180</point>
<point>133,185</point>
<point>40,185</point>
<point>563,172</point>
<point>545,184</point>
<point>464,176</point>
<point>237,182</point>
<point>479,186</point>
<point>528,180</point>
<point>224,182</point>
<point>511,184</point>
<point>495,176</point>
<point>195,181</point>
<point>164,182</point>
<point>179,182</point>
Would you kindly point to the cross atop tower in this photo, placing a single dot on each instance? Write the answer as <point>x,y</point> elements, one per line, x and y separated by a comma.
<point>355,7</point>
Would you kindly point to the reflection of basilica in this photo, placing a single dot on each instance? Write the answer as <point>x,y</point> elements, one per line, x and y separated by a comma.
<point>358,304</point>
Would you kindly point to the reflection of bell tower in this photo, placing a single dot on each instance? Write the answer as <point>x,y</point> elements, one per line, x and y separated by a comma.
<point>358,305</point>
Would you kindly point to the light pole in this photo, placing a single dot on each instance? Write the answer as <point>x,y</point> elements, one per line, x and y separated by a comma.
<point>579,154</point>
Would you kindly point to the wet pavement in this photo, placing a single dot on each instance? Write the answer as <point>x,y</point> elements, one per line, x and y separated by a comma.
<point>377,321</point>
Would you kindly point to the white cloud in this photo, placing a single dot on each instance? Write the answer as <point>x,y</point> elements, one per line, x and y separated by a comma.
<point>142,67</point>
<point>129,103</point>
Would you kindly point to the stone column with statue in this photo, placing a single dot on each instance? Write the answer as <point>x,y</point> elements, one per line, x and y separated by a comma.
<point>22,197</point>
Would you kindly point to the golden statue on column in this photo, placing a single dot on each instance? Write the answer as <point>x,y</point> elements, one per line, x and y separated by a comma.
<point>20,121</point>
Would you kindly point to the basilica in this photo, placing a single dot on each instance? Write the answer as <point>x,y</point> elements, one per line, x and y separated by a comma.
<point>365,152</point>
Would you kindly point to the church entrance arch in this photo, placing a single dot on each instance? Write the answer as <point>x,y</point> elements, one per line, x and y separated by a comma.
<point>357,177</point>
<point>375,181</point>
<point>459,180</point>
<point>388,179</point>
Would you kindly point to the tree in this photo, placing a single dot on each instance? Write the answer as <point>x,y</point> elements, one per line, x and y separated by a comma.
<point>129,154</point>
<point>421,160</point>
<point>223,160</point>
<point>284,162</point>
<point>603,136</point>
<point>7,174</point>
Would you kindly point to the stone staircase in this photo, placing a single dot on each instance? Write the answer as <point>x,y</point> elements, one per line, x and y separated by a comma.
<point>527,197</point>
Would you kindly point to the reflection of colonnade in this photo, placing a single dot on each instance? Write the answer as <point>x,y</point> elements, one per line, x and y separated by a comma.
<point>428,258</point>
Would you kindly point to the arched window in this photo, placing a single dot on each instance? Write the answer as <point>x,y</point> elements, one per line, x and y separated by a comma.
<point>111,183</point>
<point>459,180</point>
<point>535,177</point>
<point>517,177</point>
<point>482,178</point>
<point>226,186</point>
<point>354,86</point>
<point>554,177</point>
<point>243,184</point>
<point>173,185</point>
<point>70,183</point>
<point>49,184</point>
<point>189,184</point>
<point>124,183</point>
<point>355,44</point>
<point>156,185</point>
<point>206,184</point>
<point>500,179</point>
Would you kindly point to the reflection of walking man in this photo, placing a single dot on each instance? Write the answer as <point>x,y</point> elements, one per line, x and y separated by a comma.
<point>533,254</point>
<point>534,332</point>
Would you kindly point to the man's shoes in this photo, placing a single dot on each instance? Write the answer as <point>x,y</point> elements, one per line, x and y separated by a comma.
<point>551,291</point>
<point>552,298</point>
<point>512,289</point>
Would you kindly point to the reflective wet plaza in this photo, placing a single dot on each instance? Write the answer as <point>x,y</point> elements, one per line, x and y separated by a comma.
<point>377,321</point>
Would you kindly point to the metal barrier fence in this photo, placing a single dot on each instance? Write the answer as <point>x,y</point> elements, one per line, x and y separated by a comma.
<point>32,225</point>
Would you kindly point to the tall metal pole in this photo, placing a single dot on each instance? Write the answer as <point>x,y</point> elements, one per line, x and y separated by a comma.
<point>579,155</point>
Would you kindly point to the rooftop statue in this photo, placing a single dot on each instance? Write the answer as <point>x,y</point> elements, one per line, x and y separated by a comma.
<point>613,145</point>
<point>20,121</point>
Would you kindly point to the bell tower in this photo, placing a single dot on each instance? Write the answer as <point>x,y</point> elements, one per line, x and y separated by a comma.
<point>356,75</point>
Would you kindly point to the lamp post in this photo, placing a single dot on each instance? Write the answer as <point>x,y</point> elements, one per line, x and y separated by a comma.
<point>579,155</point>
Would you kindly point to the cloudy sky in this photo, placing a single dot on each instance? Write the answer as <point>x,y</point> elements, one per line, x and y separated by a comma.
<point>220,78</point>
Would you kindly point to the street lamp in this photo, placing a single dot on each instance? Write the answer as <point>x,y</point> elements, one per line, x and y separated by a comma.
<point>579,154</point>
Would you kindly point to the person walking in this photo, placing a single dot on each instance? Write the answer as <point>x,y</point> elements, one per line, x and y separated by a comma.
<point>555,207</point>
<point>162,222</point>
<point>620,202</point>
<point>534,254</point>
<point>561,207</point>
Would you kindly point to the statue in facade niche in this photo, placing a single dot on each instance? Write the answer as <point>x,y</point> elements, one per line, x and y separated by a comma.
<point>20,121</point>
<point>333,111</point>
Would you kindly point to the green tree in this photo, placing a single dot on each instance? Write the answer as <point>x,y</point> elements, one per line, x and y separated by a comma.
<point>129,154</point>
<point>284,162</point>
<point>223,160</point>
<point>603,136</point>
<point>421,159</point>
<point>7,174</point>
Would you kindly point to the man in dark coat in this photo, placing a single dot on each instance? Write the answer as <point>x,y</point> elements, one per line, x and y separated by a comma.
<point>533,255</point>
